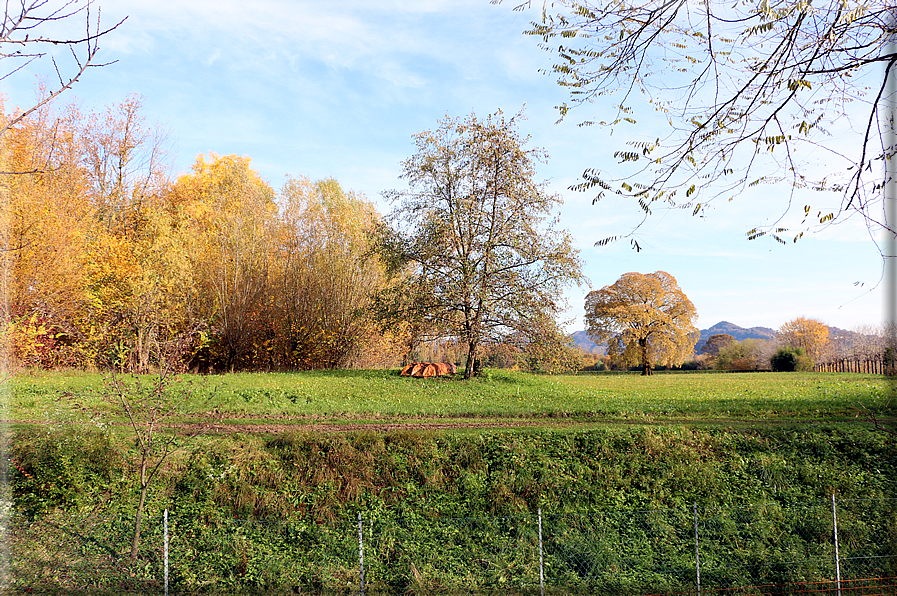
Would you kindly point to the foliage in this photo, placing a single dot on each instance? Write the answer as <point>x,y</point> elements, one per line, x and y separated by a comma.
<point>247,510</point>
<point>645,319</point>
<point>809,334</point>
<point>466,245</point>
<point>114,265</point>
<point>747,354</point>
<point>790,359</point>
<point>551,352</point>
<point>324,277</point>
<point>715,343</point>
<point>231,209</point>
<point>746,89</point>
<point>63,467</point>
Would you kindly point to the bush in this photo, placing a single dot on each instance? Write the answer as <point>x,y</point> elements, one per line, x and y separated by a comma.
<point>62,469</point>
<point>790,359</point>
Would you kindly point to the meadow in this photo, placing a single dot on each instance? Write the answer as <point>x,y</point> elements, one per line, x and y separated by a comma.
<point>378,395</point>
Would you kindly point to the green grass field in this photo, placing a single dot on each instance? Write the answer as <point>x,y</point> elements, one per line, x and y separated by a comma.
<point>364,395</point>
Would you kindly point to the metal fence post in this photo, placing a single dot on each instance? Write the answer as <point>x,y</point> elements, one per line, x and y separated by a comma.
<point>697,551</point>
<point>165,533</point>
<point>541,561</point>
<point>835,533</point>
<point>361,553</point>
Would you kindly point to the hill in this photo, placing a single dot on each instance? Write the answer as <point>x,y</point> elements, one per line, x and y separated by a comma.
<point>582,340</point>
<point>739,333</point>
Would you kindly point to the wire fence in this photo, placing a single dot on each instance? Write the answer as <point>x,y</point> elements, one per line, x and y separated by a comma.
<point>823,547</point>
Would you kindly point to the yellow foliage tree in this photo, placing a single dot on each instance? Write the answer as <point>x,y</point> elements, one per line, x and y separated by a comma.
<point>48,224</point>
<point>645,319</point>
<point>325,279</point>
<point>809,334</point>
<point>231,212</point>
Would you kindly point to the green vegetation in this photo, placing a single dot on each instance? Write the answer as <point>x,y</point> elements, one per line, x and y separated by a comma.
<point>374,395</point>
<point>269,510</point>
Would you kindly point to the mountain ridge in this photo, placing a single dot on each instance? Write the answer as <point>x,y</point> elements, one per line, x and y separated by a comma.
<point>582,340</point>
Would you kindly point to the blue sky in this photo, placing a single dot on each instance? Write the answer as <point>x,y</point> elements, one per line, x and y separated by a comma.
<point>337,89</point>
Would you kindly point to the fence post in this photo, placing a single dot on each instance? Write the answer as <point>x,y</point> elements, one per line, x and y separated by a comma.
<point>697,551</point>
<point>837,560</point>
<point>541,562</point>
<point>361,553</point>
<point>165,533</point>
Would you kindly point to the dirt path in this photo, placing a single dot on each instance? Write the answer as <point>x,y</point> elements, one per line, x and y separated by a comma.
<point>274,428</point>
<point>216,424</point>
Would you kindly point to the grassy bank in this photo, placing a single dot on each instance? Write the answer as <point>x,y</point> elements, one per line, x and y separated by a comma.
<point>269,513</point>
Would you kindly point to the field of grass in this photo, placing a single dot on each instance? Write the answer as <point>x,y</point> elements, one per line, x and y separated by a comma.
<point>362,395</point>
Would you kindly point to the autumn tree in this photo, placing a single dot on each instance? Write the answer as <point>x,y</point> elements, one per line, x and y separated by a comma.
<point>809,334</point>
<point>230,211</point>
<point>470,237</point>
<point>748,93</point>
<point>747,354</point>
<point>325,278</point>
<point>715,343</point>
<point>645,319</point>
<point>148,405</point>
<point>48,225</point>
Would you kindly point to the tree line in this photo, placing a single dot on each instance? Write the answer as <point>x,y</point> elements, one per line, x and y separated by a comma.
<point>113,263</point>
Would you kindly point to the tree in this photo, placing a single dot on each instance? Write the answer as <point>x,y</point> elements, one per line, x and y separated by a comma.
<point>791,359</point>
<point>325,279</point>
<point>751,93</point>
<point>467,248</point>
<point>231,210</point>
<point>645,319</point>
<point>148,408</point>
<point>747,354</point>
<point>23,42</point>
<point>716,342</point>
<point>809,334</point>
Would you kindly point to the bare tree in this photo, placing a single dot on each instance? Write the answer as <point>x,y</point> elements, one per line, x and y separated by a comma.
<point>26,41</point>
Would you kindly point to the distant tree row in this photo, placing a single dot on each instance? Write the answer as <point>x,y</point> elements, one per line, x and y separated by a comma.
<point>799,344</point>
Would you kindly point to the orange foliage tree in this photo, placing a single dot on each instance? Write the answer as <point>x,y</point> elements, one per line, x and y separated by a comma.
<point>645,319</point>
<point>809,334</point>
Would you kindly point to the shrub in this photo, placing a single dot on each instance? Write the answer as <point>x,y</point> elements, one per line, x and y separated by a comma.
<point>790,359</point>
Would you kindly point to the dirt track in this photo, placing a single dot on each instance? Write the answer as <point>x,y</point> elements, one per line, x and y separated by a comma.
<point>229,428</point>
<point>213,423</point>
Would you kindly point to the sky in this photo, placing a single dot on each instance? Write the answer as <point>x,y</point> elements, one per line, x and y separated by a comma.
<point>337,89</point>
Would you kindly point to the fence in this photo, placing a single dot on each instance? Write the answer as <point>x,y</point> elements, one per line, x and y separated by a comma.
<point>823,547</point>
<point>869,366</point>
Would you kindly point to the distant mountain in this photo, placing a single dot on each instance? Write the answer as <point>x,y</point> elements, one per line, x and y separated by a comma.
<point>841,339</point>
<point>739,333</point>
<point>582,340</point>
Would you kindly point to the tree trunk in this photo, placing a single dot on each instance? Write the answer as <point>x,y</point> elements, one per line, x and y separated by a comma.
<point>472,346</point>
<point>138,518</point>
<point>647,368</point>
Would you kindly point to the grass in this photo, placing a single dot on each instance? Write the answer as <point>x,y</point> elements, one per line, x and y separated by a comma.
<point>377,395</point>
<point>730,442</point>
